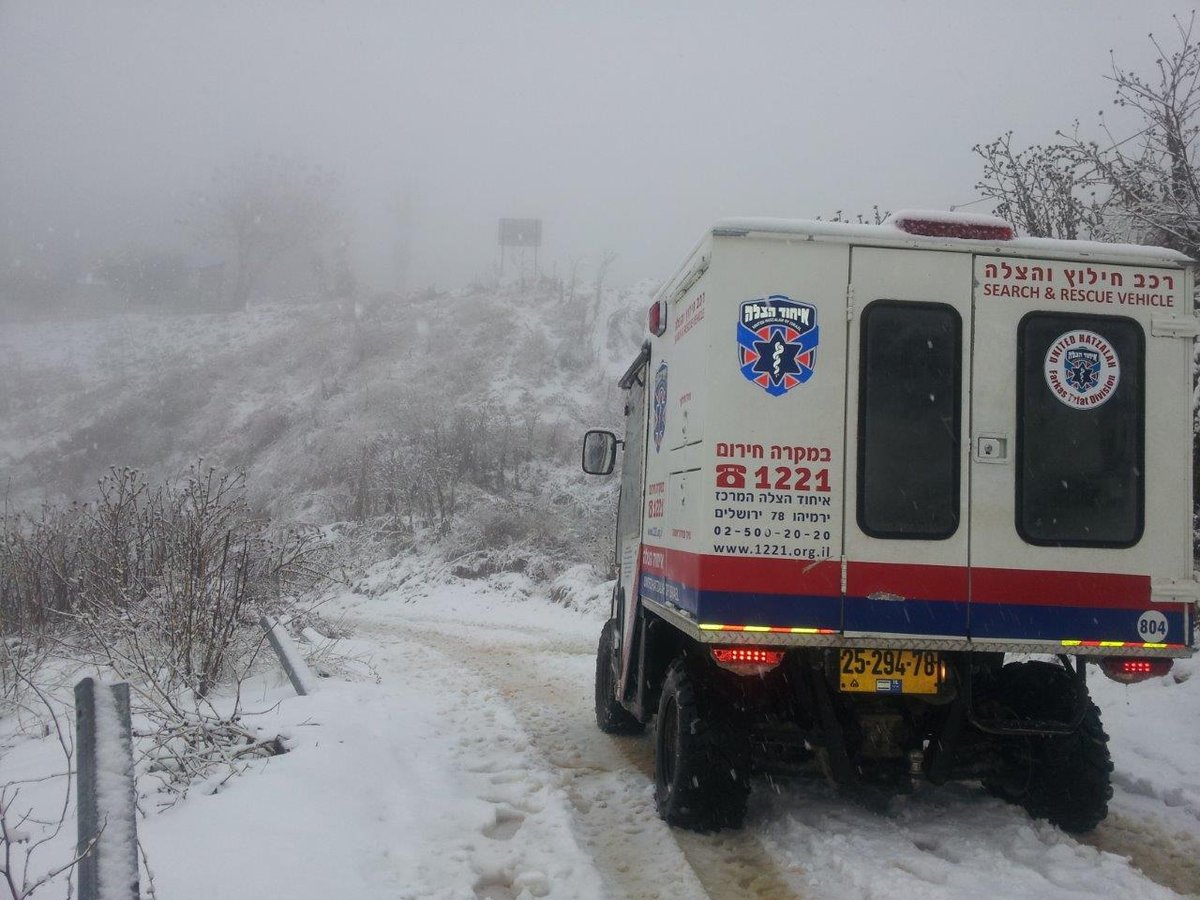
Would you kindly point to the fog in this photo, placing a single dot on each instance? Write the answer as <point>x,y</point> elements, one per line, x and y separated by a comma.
<point>626,127</point>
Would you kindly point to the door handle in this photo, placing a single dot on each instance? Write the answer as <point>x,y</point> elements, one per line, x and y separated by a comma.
<point>991,448</point>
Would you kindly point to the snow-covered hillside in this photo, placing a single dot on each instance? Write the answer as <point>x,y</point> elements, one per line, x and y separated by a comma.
<point>291,392</point>
<point>454,414</point>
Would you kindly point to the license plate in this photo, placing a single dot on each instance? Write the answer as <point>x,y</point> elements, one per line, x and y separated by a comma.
<point>889,671</point>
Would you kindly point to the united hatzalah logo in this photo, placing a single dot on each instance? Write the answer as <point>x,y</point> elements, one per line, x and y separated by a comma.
<point>1082,369</point>
<point>777,342</point>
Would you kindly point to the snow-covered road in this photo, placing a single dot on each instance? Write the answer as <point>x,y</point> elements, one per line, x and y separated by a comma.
<point>474,769</point>
<point>545,678</point>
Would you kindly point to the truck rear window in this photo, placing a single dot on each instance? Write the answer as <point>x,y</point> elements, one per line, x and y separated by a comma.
<point>909,420</point>
<point>1080,430</point>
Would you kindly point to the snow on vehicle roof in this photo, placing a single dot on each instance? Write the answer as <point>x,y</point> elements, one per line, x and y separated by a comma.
<point>890,232</point>
<point>940,215</point>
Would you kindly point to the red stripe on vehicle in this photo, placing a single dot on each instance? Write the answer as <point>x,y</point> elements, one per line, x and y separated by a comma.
<point>1022,587</point>
<point>751,574</point>
<point>908,581</point>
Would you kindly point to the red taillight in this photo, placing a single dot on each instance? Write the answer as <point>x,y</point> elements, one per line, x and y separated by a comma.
<point>658,318</point>
<point>975,228</point>
<point>1132,669</point>
<point>747,660</point>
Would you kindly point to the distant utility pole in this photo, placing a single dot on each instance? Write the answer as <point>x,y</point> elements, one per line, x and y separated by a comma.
<point>401,209</point>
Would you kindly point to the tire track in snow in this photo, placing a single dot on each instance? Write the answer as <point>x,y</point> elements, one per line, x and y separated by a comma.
<point>1172,860</point>
<point>608,780</point>
<point>745,869</point>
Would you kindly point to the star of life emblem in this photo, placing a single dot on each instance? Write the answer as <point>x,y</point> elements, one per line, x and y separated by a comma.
<point>777,342</point>
<point>1082,369</point>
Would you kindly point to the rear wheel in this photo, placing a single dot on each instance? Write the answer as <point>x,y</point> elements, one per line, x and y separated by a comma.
<point>700,779</point>
<point>611,716</point>
<point>1064,779</point>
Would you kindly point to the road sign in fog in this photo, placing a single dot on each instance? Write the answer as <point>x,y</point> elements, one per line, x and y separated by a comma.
<point>520,232</point>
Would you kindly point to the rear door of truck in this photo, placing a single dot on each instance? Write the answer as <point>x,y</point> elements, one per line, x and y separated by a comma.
<point>1080,453</point>
<point>1018,440</point>
<point>907,478</point>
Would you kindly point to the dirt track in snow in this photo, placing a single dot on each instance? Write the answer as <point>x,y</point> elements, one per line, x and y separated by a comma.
<point>608,780</point>
<point>1174,859</point>
<point>545,679</point>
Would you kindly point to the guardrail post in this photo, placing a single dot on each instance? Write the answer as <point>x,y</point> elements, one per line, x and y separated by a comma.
<point>289,657</point>
<point>106,793</point>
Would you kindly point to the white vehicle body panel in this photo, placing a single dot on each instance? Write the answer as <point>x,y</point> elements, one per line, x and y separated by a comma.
<point>753,526</point>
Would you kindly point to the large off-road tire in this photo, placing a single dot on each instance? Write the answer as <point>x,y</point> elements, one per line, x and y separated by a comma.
<point>700,778</point>
<point>611,716</point>
<point>1065,779</point>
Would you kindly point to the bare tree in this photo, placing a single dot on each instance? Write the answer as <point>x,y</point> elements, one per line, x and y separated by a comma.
<point>567,287</point>
<point>262,208</point>
<point>877,217</point>
<point>1040,190</point>
<point>602,267</point>
<point>1151,173</point>
<point>1138,184</point>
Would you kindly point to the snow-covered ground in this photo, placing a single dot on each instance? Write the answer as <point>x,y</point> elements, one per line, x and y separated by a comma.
<point>469,766</point>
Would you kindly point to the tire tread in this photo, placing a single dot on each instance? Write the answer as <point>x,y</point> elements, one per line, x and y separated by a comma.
<point>611,716</point>
<point>710,790</point>
<point>1069,782</point>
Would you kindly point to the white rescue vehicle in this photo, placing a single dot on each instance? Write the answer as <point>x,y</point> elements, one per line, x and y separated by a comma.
<point>867,470</point>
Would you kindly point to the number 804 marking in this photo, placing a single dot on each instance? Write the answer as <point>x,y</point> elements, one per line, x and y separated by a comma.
<point>1152,627</point>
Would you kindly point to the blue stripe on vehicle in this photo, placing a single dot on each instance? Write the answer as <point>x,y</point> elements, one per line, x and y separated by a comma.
<point>909,616</point>
<point>1054,623</point>
<point>987,621</point>
<point>726,607</point>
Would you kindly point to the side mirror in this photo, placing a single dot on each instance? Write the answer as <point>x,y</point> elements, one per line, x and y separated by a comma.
<point>599,452</point>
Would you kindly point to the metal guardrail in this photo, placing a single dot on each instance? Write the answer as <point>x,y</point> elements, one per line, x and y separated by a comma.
<point>293,663</point>
<point>106,791</point>
<point>107,844</point>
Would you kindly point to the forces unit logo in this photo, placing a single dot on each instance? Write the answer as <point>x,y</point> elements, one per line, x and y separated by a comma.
<point>777,342</point>
<point>1082,369</point>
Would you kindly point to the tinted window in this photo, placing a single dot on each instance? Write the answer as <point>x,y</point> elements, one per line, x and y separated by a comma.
<point>1080,430</point>
<point>629,514</point>
<point>908,431</point>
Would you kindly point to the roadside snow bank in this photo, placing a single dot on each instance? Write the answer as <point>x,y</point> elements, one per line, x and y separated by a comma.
<point>579,588</point>
<point>1155,730</point>
<point>948,842</point>
<point>424,786</point>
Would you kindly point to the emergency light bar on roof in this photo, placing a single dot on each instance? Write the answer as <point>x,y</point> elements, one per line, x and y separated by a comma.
<point>967,226</point>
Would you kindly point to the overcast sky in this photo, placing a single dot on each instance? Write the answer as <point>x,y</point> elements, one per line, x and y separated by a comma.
<point>626,127</point>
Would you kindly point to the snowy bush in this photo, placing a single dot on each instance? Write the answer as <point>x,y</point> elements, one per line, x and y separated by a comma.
<point>164,585</point>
